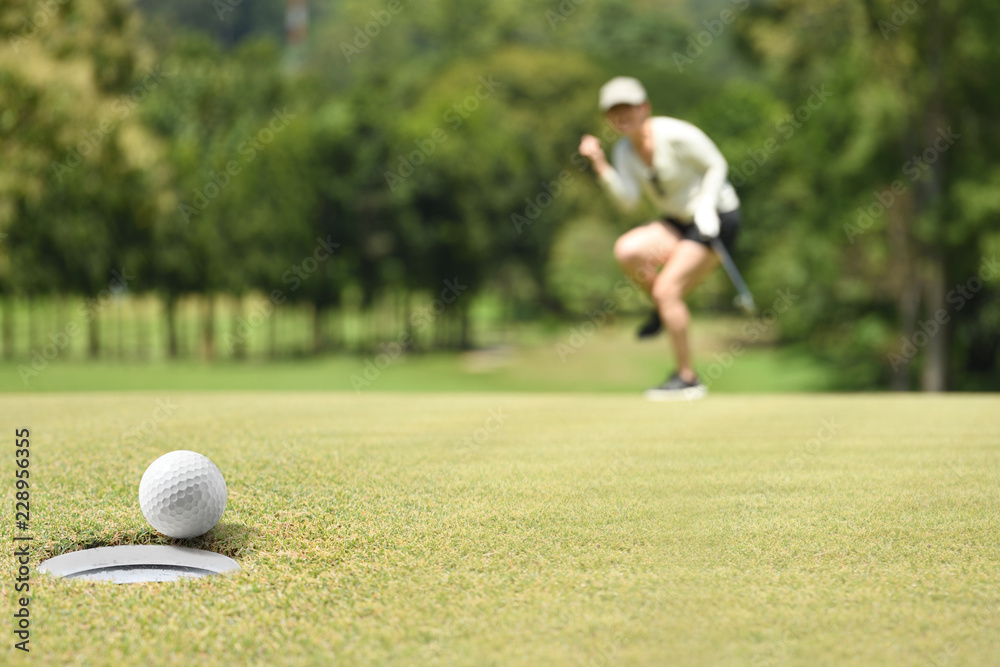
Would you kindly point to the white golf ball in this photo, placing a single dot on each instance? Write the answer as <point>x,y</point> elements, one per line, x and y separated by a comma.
<point>182,494</point>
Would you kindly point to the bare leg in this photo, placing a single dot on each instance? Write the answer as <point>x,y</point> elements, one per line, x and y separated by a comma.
<point>643,250</point>
<point>688,265</point>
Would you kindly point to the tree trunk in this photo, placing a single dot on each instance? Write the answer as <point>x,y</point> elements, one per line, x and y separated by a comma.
<point>935,370</point>
<point>447,321</point>
<point>272,335</point>
<point>32,333</point>
<point>208,329</point>
<point>437,325</point>
<point>60,327</point>
<point>936,352</point>
<point>368,328</point>
<point>140,328</point>
<point>239,343</point>
<point>94,334</point>
<point>317,344</point>
<point>507,316</point>
<point>121,328</point>
<point>171,312</point>
<point>902,276</point>
<point>8,328</point>
<point>465,333</point>
<point>333,338</point>
<point>909,304</point>
<point>411,342</point>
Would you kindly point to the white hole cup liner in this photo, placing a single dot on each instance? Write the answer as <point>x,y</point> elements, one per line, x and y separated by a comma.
<point>138,563</point>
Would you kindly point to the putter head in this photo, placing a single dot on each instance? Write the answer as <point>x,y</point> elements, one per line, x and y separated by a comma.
<point>745,303</point>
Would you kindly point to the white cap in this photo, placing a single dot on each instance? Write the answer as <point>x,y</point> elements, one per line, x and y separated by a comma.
<point>621,90</point>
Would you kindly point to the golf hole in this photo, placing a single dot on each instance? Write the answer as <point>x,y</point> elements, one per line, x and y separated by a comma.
<point>138,564</point>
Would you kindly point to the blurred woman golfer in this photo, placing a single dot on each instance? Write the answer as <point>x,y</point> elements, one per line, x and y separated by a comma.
<point>684,175</point>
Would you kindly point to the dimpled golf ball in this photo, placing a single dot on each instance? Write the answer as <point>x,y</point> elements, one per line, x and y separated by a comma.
<point>182,494</point>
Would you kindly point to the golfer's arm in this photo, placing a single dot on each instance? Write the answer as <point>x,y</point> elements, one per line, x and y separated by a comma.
<point>619,183</point>
<point>703,154</point>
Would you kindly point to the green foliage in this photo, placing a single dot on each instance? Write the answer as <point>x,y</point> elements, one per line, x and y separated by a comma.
<point>439,140</point>
<point>226,21</point>
<point>70,77</point>
<point>227,121</point>
<point>582,272</point>
<point>876,264</point>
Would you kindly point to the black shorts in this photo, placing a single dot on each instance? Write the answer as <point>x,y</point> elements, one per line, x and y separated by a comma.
<point>729,227</point>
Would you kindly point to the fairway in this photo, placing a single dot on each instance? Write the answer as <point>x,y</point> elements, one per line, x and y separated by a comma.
<point>530,529</point>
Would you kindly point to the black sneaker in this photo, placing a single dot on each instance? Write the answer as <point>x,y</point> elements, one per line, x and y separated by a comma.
<point>652,326</point>
<point>676,389</point>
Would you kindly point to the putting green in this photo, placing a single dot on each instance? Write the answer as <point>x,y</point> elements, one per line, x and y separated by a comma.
<point>529,529</point>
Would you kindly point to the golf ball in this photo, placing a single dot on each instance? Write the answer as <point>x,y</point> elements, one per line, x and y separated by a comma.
<point>182,494</point>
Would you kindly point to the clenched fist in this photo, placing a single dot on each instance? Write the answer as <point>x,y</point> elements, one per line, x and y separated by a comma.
<point>590,148</point>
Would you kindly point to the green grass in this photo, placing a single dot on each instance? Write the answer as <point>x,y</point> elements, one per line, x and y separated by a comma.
<point>609,360</point>
<point>586,530</point>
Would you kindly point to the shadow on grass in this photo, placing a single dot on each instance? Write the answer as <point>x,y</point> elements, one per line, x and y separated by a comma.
<point>228,539</point>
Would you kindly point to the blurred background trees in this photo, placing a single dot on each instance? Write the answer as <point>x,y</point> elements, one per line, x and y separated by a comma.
<point>192,146</point>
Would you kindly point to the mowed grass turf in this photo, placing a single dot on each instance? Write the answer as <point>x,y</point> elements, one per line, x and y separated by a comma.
<point>523,529</point>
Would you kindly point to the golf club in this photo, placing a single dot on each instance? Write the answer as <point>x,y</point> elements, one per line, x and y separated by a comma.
<point>744,300</point>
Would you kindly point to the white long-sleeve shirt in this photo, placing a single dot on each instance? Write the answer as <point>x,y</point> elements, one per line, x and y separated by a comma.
<point>688,172</point>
